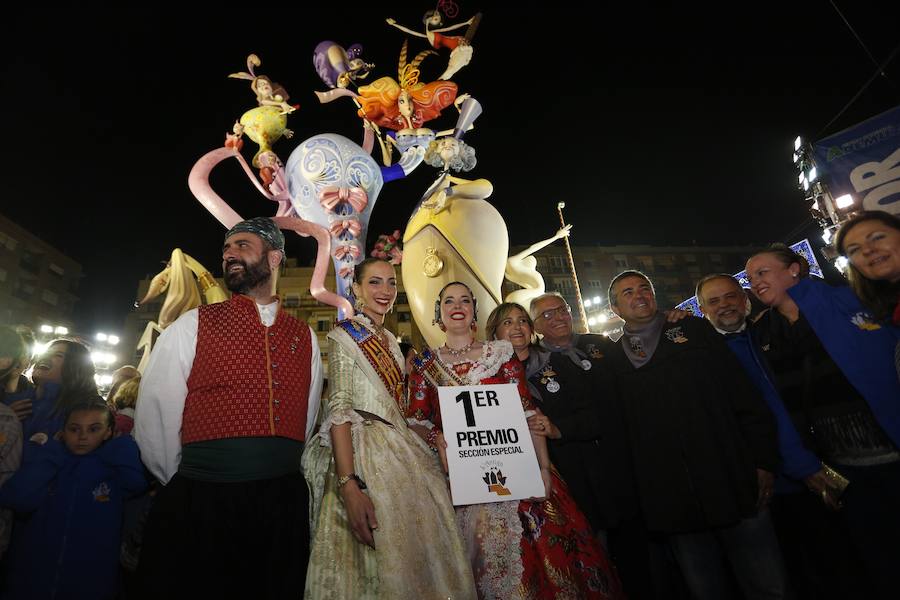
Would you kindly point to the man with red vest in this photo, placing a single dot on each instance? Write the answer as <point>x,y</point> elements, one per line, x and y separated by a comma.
<point>228,397</point>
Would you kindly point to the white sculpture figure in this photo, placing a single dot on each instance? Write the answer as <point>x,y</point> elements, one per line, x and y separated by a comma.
<point>521,269</point>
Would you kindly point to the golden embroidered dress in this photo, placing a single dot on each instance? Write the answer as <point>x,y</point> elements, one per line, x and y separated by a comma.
<point>418,549</point>
<point>519,550</point>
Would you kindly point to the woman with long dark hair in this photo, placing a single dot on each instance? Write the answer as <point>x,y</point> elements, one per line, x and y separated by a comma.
<point>62,373</point>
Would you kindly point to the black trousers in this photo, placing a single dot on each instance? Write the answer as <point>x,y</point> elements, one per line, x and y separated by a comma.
<point>821,560</point>
<point>226,540</point>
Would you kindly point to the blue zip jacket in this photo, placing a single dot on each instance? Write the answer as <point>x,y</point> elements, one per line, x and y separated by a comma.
<point>797,462</point>
<point>69,509</point>
<point>862,348</point>
<point>43,417</point>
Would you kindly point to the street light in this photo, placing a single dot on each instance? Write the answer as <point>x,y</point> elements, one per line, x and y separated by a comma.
<point>101,337</point>
<point>46,328</point>
<point>60,330</point>
<point>103,358</point>
<point>844,201</point>
<point>113,340</point>
<point>596,299</point>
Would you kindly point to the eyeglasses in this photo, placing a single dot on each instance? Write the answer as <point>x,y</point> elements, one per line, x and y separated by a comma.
<point>563,311</point>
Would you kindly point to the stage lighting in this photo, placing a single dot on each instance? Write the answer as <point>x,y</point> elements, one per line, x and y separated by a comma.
<point>844,201</point>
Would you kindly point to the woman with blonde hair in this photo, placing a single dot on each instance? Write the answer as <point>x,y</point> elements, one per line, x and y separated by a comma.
<point>124,402</point>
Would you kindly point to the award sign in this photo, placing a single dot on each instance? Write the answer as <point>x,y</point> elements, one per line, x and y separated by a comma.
<point>489,450</point>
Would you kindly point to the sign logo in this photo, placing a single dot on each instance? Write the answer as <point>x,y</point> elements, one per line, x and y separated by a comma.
<point>494,478</point>
<point>594,351</point>
<point>865,322</point>
<point>637,346</point>
<point>101,492</point>
<point>675,335</point>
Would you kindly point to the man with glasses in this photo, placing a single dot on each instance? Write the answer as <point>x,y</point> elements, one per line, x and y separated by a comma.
<point>703,444</point>
<point>585,431</point>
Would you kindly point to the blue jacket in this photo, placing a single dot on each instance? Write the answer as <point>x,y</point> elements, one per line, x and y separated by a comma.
<point>43,417</point>
<point>797,462</point>
<point>861,348</point>
<point>67,538</point>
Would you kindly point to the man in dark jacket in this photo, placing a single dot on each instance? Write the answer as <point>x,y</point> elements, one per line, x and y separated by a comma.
<point>585,430</point>
<point>703,443</point>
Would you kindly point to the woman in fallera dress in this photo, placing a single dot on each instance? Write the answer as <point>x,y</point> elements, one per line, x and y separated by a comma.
<point>535,548</point>
<point>382,525</point>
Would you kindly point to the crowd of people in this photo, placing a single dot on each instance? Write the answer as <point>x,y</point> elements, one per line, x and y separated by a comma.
<point>753,453</point>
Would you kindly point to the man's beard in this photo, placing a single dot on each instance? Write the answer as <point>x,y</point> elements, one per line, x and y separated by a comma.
<point>241,282</point>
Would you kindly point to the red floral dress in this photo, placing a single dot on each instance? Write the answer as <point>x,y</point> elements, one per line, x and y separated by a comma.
<point>521,549</point>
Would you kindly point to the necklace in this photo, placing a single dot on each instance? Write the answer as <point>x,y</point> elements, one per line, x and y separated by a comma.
<point>375,327</point>
<point>461,351</point>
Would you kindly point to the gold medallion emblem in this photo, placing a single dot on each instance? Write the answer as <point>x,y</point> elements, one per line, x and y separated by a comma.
<point>432,265</point>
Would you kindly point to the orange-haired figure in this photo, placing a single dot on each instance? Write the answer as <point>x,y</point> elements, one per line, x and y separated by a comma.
<point>407,104</point>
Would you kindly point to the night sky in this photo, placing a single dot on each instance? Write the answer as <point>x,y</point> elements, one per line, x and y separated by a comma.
<point>656,125</point>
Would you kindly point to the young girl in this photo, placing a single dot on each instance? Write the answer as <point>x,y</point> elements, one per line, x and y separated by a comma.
<point>68,498</point>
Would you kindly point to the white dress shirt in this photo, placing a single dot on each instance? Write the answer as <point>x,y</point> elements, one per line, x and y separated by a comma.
<point>160,406</point>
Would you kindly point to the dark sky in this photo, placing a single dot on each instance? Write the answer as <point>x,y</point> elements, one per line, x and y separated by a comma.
<point>667,124</point>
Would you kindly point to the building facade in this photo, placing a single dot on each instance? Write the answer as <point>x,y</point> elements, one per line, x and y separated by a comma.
<point>38,283</point>
<point>674,271</point>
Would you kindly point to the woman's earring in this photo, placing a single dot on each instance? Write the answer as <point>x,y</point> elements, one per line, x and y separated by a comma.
<point>359,305</point>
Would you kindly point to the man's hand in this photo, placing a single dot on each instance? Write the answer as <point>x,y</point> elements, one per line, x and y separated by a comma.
<point>676,314</point>
<point>420,430</point>
<point>22,408</point>
<point>360,512</point>
<point>540,424</point>
<point>765,481</point>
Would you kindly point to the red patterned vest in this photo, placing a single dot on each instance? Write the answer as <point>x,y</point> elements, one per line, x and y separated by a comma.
<point>247,380</point>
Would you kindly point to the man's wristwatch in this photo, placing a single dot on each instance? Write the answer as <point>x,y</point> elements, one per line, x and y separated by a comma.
<point>359,482</point>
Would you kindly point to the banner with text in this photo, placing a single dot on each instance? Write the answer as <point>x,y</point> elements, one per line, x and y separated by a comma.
<point>864,161</point>
<point>489,450</point>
